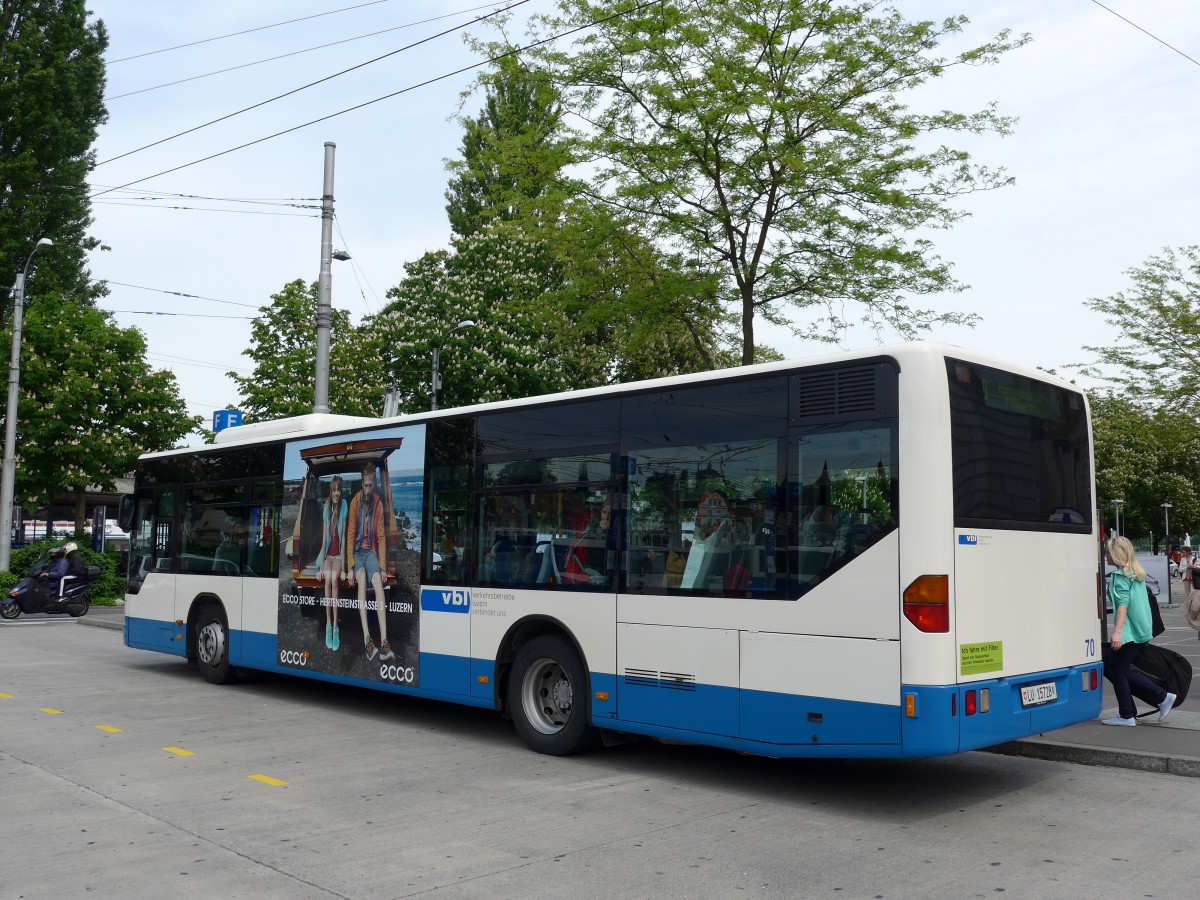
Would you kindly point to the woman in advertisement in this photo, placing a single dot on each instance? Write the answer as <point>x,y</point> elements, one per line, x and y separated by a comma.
<point>331,567</point>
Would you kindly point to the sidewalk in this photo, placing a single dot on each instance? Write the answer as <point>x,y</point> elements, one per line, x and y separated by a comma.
<point>1173,748</point>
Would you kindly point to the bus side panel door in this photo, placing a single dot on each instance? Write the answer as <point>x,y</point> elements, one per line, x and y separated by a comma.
<point>674,677</point>
<point>150,615</point>
<point>813,690</point>
<point>446,639</point>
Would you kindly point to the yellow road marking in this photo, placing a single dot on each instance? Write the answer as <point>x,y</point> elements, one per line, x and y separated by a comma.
<point>179,751</point>
<point>109,728</point>
<point>53,712</point>
<point>267,779</point>
<point>6,696</point>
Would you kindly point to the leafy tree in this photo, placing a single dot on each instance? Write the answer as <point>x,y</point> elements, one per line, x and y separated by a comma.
<point>285,361</point>
<point>90,403</point>
<point>1145,457</point>
<point>51,98</point>
<point>512,155</point>
<point>650,312</point>
<point>766,137</point>
<point>522,345</point>
<point>1157,356</point>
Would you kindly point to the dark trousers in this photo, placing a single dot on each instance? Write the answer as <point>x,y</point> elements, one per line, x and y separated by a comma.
<point>1127,684</point>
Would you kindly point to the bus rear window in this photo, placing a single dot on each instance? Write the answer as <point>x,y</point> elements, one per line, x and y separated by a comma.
<point>1020,450</point>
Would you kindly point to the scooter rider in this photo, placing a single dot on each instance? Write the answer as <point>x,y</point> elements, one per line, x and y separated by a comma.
<point>50,580</point>
<point>75,564</point>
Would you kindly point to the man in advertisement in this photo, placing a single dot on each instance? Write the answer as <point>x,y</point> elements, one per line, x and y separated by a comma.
<point>366,550</point>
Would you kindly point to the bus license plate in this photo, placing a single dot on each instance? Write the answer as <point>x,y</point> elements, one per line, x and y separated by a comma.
<point>1037,694</point>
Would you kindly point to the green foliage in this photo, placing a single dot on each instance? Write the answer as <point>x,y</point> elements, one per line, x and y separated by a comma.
<point>284,352</point>
<point>7,582</point>
<point>90,403</point>
<point>766,140</point>
<point>1146,457</point>
<point>595,283</point>
<point>511,154</point>
<point>51,103</point>
<point>1157,353</point>
<point>521,343</point>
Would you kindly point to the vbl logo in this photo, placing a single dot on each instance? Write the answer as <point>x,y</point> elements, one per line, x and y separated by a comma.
<point>972,539</point>
<point>448,600</point>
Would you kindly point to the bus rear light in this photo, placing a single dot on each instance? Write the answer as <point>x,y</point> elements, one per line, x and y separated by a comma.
<point>1091,680</point>
<point>910,706</point>
<point>1095,679</point>
<point>927,603</point>
<point>985,700</point>
<point>969,703</point>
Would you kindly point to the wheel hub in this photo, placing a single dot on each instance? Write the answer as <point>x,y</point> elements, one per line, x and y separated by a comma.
<point>210,645</point>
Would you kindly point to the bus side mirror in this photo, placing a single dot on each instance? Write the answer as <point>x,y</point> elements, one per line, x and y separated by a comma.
<point>125,512</point>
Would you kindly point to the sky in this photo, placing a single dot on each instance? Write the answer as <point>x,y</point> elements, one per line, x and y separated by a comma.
<point>1104,155</point>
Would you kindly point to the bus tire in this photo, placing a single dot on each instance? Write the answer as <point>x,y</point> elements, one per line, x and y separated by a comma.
<point>547,698</point>
<point>212,646</point>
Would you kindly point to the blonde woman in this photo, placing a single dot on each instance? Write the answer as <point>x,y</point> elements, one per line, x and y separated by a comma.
<point>330,563</point>
<point>1131,630</point>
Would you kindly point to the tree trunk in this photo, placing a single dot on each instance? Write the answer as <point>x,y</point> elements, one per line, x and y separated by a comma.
<point>80,510</point>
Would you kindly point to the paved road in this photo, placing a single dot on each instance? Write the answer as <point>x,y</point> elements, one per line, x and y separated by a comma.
<point>388,797</point>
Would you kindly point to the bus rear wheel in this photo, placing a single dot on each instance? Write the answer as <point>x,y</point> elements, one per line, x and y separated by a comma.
<point>547,696</point>
<point>212,646</point>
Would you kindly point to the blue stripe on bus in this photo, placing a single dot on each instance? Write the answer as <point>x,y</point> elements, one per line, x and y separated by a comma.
<point>772,724</point>
<point>154,634</point>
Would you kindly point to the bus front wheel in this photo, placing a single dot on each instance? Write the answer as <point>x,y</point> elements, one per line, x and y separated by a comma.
<point>547,696</point>
<point>212,646</point>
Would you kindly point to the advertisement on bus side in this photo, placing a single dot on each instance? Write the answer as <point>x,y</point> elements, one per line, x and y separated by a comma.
<point>349,583</point>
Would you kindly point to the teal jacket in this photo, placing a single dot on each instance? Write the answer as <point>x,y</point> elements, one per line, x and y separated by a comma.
<point>1131,594</point>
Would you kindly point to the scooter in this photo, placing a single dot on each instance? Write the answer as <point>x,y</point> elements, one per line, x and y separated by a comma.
<point>33,595</point>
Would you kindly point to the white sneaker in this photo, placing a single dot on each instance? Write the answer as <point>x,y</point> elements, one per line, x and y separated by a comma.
<point>1164,708</point>
<point>1117,720</point>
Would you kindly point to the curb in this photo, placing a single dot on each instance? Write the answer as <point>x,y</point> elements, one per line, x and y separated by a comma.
<point>1087,755</point>
<point>101,623</point>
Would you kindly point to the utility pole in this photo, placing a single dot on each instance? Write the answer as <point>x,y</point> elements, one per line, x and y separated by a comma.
<point>325,287</point>
<point>8,480</point>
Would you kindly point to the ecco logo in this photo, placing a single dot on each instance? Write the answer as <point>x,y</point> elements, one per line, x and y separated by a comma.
<point>398,674</point>
<point>442,600</point>
<point>293,657</point>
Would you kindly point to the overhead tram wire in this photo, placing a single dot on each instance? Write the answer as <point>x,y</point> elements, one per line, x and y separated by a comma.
<point>259,62</point>
<point>187,360</point>
<point>296,202</point>
<point>241,212</point>
<point>221,37</point>
<point>155,312</point>
<point>311,84</point>
<point>406,90</point>
<point>1145,32</point>
<point>178,293</point>
<point>356,269</point>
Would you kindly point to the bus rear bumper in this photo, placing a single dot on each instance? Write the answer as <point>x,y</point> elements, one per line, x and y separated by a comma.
<point>949,719</point>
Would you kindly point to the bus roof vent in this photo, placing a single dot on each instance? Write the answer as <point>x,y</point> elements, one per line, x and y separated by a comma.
<point>837,392</point>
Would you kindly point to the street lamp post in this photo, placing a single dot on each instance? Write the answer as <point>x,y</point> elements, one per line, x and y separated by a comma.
<point>9,477</point>
<point>435,380</point>
<point>1166,508</point>
<point>1117,504</point>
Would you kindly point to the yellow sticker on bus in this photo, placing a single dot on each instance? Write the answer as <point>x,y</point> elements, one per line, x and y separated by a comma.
<point>975,659</point>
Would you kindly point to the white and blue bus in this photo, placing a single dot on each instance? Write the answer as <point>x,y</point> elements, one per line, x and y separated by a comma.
<point>887,553</point>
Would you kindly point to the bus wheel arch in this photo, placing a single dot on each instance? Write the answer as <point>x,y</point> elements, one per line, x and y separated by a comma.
<point>208,639</point>
<point>546,688</point>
